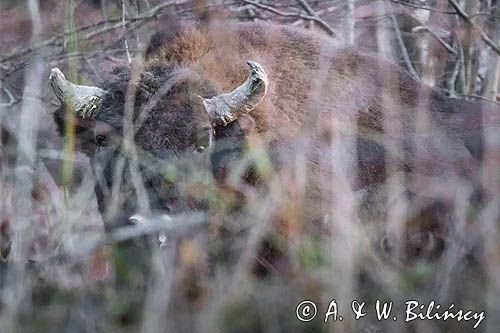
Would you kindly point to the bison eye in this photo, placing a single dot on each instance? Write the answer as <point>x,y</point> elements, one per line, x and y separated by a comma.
<point>101,140</point>
<point>200,149</point>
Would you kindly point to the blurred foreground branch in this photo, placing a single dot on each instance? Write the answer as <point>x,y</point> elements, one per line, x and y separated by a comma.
<point>171,225</point>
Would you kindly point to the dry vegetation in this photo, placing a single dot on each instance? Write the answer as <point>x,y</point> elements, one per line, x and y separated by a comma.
<point>60,272</point>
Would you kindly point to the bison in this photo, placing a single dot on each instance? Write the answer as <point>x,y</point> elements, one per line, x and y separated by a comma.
<point>185,117</point>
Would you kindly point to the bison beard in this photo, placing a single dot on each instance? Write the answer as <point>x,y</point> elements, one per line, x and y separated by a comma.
<point>314,92</point>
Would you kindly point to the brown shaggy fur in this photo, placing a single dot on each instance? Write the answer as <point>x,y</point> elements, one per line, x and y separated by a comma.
<point>316,87</point>
<point>317,92</point>
<point>313,85</point>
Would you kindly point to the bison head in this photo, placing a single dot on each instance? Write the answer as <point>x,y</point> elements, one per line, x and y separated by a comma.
<point>147,132</point>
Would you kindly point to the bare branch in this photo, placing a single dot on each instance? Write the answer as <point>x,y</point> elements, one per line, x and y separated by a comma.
<point>276,11</point>
<point>300,15</point>
<point>129,57</point>
<point>26,50</point>
<point>466,18</point>
<point>149,15</point>
<point>452,80</point>
<point>401,43</point>
<point>152,14</point>
<point>12,100</point>
<point>316,18</point>
<point>439,39</point>
<point>306,7</point>
<point>423,7</point>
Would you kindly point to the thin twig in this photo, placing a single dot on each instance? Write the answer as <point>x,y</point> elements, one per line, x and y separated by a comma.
<point>277,11</point>
<point>423,7</point>
<point>488,15</point>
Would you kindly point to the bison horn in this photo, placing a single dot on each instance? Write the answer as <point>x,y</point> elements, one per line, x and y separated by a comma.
<point>226,108</point>
<point>82,100</point>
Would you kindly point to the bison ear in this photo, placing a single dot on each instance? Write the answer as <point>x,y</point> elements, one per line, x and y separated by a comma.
<point>82,100</point>
<point>225,108</point>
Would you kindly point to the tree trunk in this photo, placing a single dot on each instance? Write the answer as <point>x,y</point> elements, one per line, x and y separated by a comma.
<point>492,77</point>
<point>469,42</point>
